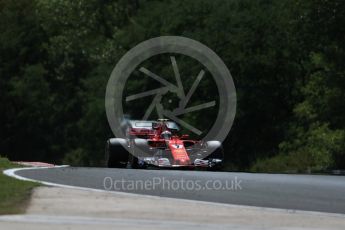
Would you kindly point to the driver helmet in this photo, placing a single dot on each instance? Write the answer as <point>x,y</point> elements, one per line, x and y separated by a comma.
<point>166,134</point>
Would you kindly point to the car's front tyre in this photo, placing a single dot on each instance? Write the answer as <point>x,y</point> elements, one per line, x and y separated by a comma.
<point>116,156</point>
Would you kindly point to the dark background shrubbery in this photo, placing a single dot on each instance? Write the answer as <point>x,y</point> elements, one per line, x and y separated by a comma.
<point>286,58</point>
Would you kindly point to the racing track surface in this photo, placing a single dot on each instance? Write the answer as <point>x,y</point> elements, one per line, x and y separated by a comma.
<point>302,192</point>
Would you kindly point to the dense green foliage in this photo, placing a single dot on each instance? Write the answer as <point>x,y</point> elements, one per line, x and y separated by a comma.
<point>286,58</point>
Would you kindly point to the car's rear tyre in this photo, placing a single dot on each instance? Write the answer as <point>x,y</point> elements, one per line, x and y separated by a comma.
<point>116,155</point>
<point>141,149</point>
<point>135,163</point>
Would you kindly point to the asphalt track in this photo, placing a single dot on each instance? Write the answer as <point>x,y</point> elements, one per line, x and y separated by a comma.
<point>297,192</point>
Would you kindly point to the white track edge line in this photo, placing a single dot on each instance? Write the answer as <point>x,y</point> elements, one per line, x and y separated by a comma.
<point>75,220</point>
<point>12,173</point>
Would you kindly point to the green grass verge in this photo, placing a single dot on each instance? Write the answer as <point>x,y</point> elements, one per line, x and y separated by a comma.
<point>14,194</point>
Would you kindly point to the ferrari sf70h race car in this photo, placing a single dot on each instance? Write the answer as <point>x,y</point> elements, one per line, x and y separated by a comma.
<point>157,143</point>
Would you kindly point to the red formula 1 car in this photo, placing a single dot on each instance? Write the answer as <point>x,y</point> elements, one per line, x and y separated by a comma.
<point>157,143</point>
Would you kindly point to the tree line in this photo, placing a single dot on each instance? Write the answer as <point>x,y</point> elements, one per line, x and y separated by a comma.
<point>286,58</point>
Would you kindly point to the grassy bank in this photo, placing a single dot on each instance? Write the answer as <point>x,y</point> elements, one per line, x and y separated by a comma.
<point>14,194</point>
